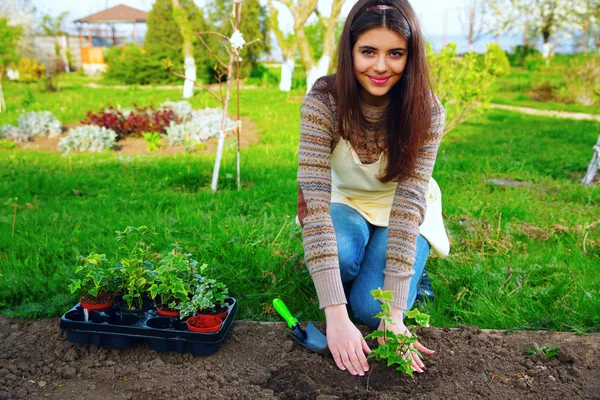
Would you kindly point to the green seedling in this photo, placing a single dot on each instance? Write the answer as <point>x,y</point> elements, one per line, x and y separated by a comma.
<point>172,277</point>
<point>94,276</point>
<point>394,346</point>
<point>548,351</point>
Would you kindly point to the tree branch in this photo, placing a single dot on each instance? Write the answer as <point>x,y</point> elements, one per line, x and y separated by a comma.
<point>199,35</point>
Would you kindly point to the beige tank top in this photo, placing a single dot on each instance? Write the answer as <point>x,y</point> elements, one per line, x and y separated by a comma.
<point>356,185</point>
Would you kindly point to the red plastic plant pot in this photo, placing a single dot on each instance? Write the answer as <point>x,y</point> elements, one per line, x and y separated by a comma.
<point>97,306</point>
<point>167,313</point>
<point>204,323</point>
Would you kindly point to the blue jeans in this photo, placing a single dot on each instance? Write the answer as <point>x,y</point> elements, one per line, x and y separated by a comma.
<point>362,253</point>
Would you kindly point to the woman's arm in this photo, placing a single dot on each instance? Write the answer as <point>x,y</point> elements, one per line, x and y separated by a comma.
<point>408,211</point>
<point>314,179</point>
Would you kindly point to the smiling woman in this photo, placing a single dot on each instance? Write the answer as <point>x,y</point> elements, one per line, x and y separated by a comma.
<point>369,140</point>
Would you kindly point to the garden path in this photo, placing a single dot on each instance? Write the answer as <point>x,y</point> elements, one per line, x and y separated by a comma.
<point>548,113</point>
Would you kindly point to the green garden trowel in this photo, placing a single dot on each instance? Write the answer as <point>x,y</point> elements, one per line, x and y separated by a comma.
<point>311,338</point>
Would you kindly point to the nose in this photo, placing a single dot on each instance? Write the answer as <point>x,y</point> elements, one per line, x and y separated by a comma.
<point>380,65</point>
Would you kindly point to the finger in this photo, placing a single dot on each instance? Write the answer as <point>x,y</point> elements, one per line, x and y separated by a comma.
<point>338,359</point>
<point>416,358</point>
<point>365,347</point>
<point>347,363</point>
<point>364,365</point>
<point>422,348</point>
<point>415,367</point>
<point>358,368</point>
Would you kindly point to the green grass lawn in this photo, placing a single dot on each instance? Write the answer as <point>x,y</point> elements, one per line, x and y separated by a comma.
<point>501,273</point>
<point>516,88</point>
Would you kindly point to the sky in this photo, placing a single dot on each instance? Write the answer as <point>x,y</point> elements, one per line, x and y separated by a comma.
<point>432,13</point>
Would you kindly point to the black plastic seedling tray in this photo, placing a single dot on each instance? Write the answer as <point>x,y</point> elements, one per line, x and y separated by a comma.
<point>121,329</point>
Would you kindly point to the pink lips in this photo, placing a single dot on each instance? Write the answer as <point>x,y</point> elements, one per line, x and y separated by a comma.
<point>380,80</point>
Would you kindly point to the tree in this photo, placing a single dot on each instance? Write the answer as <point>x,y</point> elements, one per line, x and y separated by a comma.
<point>9,35</point>
<point>288,46</point>
<point>474,21</point>
<point>501,17</point>
<point>585,17</point>
<point>21,13</point>
<point>164,40</point>
<point>53,26</point>
<point>181,19</point>
<point>301,10</point>
<point>256,26</point>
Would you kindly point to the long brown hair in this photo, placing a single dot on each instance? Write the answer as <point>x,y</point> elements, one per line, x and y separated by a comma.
<point>409,112</point>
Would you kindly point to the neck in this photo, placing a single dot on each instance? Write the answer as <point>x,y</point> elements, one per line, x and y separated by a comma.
<point>374,101</point>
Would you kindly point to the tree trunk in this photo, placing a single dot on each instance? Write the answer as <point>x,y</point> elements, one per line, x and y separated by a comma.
<point>317,71</point>
<point>471,26</point>
<point>220,145</point>
<point>63,52</point>
<point>287,71</point>
<point>2,102</point>
<point>594,165</point>
<point>586,37</point>
<point>189,65</point>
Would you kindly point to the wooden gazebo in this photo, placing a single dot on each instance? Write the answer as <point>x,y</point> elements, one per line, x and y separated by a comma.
<point>120,14</point>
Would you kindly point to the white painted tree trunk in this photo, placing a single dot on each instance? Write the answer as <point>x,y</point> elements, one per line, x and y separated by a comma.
<point>62,42</point>
<point>594,165</point>
<point>316,72</point>
<point>190,76</point>
<point>547,50</point>
<point>287,71</point>
<point>2,103</point>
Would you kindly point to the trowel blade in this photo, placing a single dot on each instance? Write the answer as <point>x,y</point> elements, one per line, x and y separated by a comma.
<point>310,337</point>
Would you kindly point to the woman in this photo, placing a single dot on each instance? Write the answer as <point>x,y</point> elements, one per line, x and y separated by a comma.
<point>369,139</point>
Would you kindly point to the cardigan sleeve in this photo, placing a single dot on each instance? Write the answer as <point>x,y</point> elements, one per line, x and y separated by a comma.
<point>408,211</point>
<point>314,179</point>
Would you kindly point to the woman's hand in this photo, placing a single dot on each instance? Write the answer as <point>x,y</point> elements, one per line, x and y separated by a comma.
<point>399,327</point>
<point>345,341</point>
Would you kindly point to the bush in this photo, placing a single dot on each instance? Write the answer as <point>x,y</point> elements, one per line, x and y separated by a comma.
<point>29,69</point>
<point>182,109</point>
<point>87,138</point>
<point>535,62</point>
<point>500,65</point>
<point>131,122</point>
<point>204,125</point>
<point>461,83</point>
<point>583,80</point>
<point>133,65</point>
<point>520,52</point>
<point>15,134</point>
<point>40,123</point>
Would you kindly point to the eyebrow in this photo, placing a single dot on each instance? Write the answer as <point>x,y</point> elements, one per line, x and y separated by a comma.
<point>374,48</point>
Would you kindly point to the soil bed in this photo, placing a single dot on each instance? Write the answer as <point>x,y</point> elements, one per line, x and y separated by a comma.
<point>259,361</point>
<point>131,146</point>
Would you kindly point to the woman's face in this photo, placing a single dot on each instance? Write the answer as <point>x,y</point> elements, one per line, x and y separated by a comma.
<point>379,59</point>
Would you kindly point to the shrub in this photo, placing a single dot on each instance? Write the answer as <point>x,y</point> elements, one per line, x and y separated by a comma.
<point>87,138</point>
<point>40,123</point>
<point>535,62</point>
<point>132,65</point>
<point>14,133</point>
<point>131,122</point>
<point>461,84</point>
<point>204,125</point>
<point>29,69</point>
<point>520,52</point>
<point>182,109</point>
<point>500,66</point>
<point>583,80</point>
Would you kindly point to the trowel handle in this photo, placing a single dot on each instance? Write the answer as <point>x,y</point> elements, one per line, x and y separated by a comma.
<point>282,309</point>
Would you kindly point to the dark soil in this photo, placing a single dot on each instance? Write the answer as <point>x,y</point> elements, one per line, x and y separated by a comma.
<point>259,361</point>
<point>102,298</point>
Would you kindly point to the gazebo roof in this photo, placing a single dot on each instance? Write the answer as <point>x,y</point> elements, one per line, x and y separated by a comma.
<point>116,14</point>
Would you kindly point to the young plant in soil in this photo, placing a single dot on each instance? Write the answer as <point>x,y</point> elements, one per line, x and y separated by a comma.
<point>171,279</point>
<point>134,267</point>
<point>206,295</point>
<point>96,280</point>
<point>394,346</point>
<point>548,351</point>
